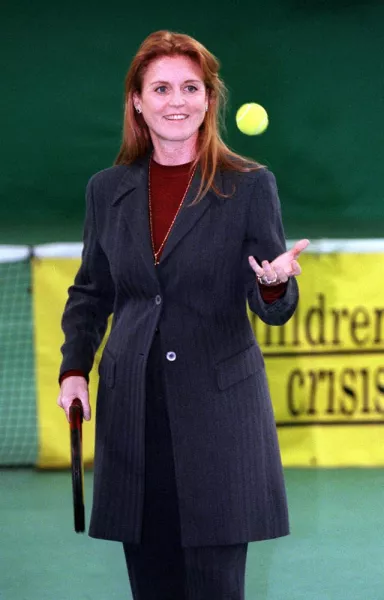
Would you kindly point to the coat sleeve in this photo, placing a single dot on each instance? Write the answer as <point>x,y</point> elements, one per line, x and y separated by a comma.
<point>90,300</point>
<point>265,240</point>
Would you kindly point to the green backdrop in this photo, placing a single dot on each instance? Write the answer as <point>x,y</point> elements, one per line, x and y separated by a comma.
<point>315,65</point>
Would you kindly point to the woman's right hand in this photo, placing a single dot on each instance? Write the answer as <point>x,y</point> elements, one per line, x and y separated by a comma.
<point>74,386</point>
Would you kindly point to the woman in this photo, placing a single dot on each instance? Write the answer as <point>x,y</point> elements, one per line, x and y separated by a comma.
<point>178,235</point>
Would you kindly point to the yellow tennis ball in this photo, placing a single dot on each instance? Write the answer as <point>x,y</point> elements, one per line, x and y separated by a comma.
<point>252,119</point>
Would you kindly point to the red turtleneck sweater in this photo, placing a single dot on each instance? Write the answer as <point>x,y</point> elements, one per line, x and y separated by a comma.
<point>168,185</point>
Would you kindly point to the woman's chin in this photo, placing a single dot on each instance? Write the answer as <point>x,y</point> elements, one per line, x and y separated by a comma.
<point>178,136</point>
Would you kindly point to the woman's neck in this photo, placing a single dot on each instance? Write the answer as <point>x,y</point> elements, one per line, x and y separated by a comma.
<point>166,152</point>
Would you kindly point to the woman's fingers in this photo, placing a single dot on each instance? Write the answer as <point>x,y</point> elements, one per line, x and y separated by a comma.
<point>83,397</point>
<point>299,247</point>
<point>255,266</point>
<point>71,388</point>
<point>276,271</point>
<point>66,402</point>
<point>282,276</point>
<point>295,267</point>
<point>269,272</point>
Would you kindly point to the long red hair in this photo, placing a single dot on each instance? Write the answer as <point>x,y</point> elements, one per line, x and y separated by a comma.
<point>212,152</point>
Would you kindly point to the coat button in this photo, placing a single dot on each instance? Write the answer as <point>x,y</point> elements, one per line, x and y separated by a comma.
<point>171,356</point>
<point>158,299</point>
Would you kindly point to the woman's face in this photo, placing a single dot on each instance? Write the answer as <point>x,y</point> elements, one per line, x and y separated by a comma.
<point>173,98</point>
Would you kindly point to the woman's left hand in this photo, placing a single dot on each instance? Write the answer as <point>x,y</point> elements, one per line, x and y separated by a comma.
<point>279,270</point>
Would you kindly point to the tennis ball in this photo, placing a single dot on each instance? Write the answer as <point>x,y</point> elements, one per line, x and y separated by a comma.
<point>252,119</point>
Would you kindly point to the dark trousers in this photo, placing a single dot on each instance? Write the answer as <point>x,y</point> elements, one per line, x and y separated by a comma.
<point>159,568</point>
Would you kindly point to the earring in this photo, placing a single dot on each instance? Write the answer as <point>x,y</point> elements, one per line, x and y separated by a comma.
<point>206,107</point>
<point>138,109</point>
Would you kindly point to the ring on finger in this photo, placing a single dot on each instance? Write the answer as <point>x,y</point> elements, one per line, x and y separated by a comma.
<point>264,280</point>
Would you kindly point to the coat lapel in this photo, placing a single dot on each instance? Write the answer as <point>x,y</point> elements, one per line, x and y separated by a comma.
<point>188,216</point>
<point>132,196</point>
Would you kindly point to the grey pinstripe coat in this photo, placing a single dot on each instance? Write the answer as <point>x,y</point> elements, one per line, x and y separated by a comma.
<point>227,461</point>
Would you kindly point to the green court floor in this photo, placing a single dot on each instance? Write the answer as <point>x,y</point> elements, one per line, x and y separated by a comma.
<point>335,551</point>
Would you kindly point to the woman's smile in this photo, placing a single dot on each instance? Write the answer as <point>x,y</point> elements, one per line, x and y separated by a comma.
<point>176,117</point>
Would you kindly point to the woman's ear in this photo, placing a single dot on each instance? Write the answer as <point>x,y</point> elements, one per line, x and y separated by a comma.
<point>210,98</point>
<point>136,102</point>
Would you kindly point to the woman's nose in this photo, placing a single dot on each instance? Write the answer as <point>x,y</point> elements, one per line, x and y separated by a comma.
<point>177,99</point>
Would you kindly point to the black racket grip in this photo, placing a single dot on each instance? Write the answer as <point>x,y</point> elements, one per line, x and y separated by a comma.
<point>75,420</point>
<point>76,414</point>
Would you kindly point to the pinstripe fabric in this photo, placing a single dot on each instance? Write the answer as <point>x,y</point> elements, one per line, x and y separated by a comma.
<point>159,568</point>
<point>228,470</point>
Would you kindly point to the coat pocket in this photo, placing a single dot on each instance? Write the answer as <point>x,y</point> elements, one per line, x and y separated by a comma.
<point>239,367</point>
<point>107,368</point>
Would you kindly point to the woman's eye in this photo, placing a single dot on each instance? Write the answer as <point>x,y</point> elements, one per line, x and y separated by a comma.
<point>191,88</point>
<point>161,89</point>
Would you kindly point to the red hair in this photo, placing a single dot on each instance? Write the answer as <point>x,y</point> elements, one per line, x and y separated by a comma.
<point>212,152</point>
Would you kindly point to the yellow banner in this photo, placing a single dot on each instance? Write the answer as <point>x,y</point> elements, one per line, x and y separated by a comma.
<point>325,366</point>
<point>51,278</point>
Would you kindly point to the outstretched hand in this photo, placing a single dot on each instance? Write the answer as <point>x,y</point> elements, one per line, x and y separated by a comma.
<point>279,270</point>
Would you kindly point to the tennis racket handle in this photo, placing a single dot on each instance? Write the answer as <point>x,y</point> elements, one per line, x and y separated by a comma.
<point>76,414</point>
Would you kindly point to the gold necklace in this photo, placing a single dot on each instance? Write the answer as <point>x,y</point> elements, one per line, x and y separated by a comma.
<point>156,254</point>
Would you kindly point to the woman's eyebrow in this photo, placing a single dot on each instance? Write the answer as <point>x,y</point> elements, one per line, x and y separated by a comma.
<point>167,82</point>
<point>158,82</point>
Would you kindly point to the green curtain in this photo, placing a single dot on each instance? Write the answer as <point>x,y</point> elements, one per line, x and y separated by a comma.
<point>316,66</point>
